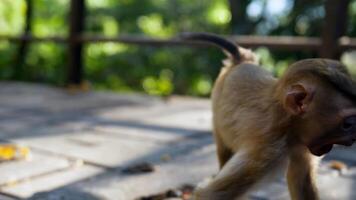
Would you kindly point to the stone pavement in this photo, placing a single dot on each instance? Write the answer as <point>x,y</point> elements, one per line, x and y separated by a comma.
<point>80,142</point>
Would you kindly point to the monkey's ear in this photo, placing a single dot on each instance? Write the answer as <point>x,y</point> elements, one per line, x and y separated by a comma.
<point>297,98</point>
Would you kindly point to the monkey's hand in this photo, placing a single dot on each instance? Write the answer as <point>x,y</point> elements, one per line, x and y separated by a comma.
<point>201,192</point>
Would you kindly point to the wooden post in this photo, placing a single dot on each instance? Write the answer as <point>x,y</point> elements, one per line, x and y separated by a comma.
<point>75,67</point>
<point>23,45</point>
<point>239,22</point>
<point>335,24</point>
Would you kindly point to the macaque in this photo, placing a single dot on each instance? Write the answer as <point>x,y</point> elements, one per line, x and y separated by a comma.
<point>262,124</point>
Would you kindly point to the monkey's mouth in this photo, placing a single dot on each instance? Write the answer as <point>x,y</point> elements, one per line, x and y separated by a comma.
<point>320,148</point>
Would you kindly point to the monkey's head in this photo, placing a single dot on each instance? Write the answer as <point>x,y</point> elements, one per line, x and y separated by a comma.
<point>320,97</point>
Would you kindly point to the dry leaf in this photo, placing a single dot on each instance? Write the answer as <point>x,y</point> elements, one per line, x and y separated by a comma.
<point>337,165</point>
<point>12,152</point>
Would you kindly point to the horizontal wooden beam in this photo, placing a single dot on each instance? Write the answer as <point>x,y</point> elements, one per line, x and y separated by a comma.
<point>279,42</point>
<point>289,43</point>
<point>347,43</point>
<point>139,40</point>
<point>29,38</point>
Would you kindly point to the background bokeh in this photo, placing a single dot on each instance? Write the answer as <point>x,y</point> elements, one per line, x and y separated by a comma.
<point>156,70</point>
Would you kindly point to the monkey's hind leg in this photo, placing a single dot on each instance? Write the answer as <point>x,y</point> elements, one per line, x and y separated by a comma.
<point>223,152</point>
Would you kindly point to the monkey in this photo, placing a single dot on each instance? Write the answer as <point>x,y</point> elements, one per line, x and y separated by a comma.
<point>263,124</point>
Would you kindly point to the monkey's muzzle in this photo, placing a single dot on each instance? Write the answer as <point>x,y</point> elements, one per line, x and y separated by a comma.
<point>324,145</point>
<point>321,150</point>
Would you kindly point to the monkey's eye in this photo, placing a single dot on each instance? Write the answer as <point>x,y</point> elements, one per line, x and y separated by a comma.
<point>348,123</point>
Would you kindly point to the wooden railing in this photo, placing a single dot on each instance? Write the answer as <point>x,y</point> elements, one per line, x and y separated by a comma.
<point>330,45</point>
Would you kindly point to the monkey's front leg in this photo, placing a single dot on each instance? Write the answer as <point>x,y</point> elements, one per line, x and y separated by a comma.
<point>241,172</point>
<point>300,175</point>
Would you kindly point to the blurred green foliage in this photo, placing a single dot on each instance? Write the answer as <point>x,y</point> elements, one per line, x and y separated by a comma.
<point>157,71</point>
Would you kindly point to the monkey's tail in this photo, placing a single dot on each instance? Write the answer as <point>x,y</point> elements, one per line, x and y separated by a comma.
<point>235,53</point>
<point>219,41</point>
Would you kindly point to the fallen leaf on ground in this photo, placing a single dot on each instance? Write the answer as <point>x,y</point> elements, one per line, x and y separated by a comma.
<point>13,152</point>
<point>337,165</point>
<point>166,157</point>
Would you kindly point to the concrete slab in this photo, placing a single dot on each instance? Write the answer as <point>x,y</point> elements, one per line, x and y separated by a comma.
<point>46,126</point>
<point>47,183</point>
<point>112,185</point>
<point>111,131</point>
<point>350,173</point>
<point>336,187</point>
<point>19,170</point>
<point>198,119</point>
<point>106,150</point>
<point>173,173</point>
<point>51,99</point>
<point>14,126</point>
<point>331,184</point>
<point>93,147</point>
<point>272,191</point>
<point>166,122</point>
<point>4,197</point>
<point>171,106</point>
<point>151,132</point>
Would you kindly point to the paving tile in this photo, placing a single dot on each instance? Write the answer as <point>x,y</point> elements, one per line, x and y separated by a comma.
<point>15,126</point>
<point>350,173</point>
<point>164,123</point>
<point>331,186</point>
<point>201,163</point>
<point>13,171</point>
<point>272,191</point>
<point>3,197</point>
<point>112,185</point>
<point>51,181</point>
<point>199,119</point>
<point>155,110</point>
<point>66,194</point>
<point>107,150</point>
<point>146,131</point>
<point>336,187</point>
<point>117,130</point>
<point>139,112</point>
<point>93,147</point>
<point>21,130</point>
<point>55,100</point>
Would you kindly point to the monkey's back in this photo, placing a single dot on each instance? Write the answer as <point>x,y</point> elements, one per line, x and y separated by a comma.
<point>237,96</point>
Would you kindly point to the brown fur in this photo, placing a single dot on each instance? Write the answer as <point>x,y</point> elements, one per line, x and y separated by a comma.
<point>261,122</point>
